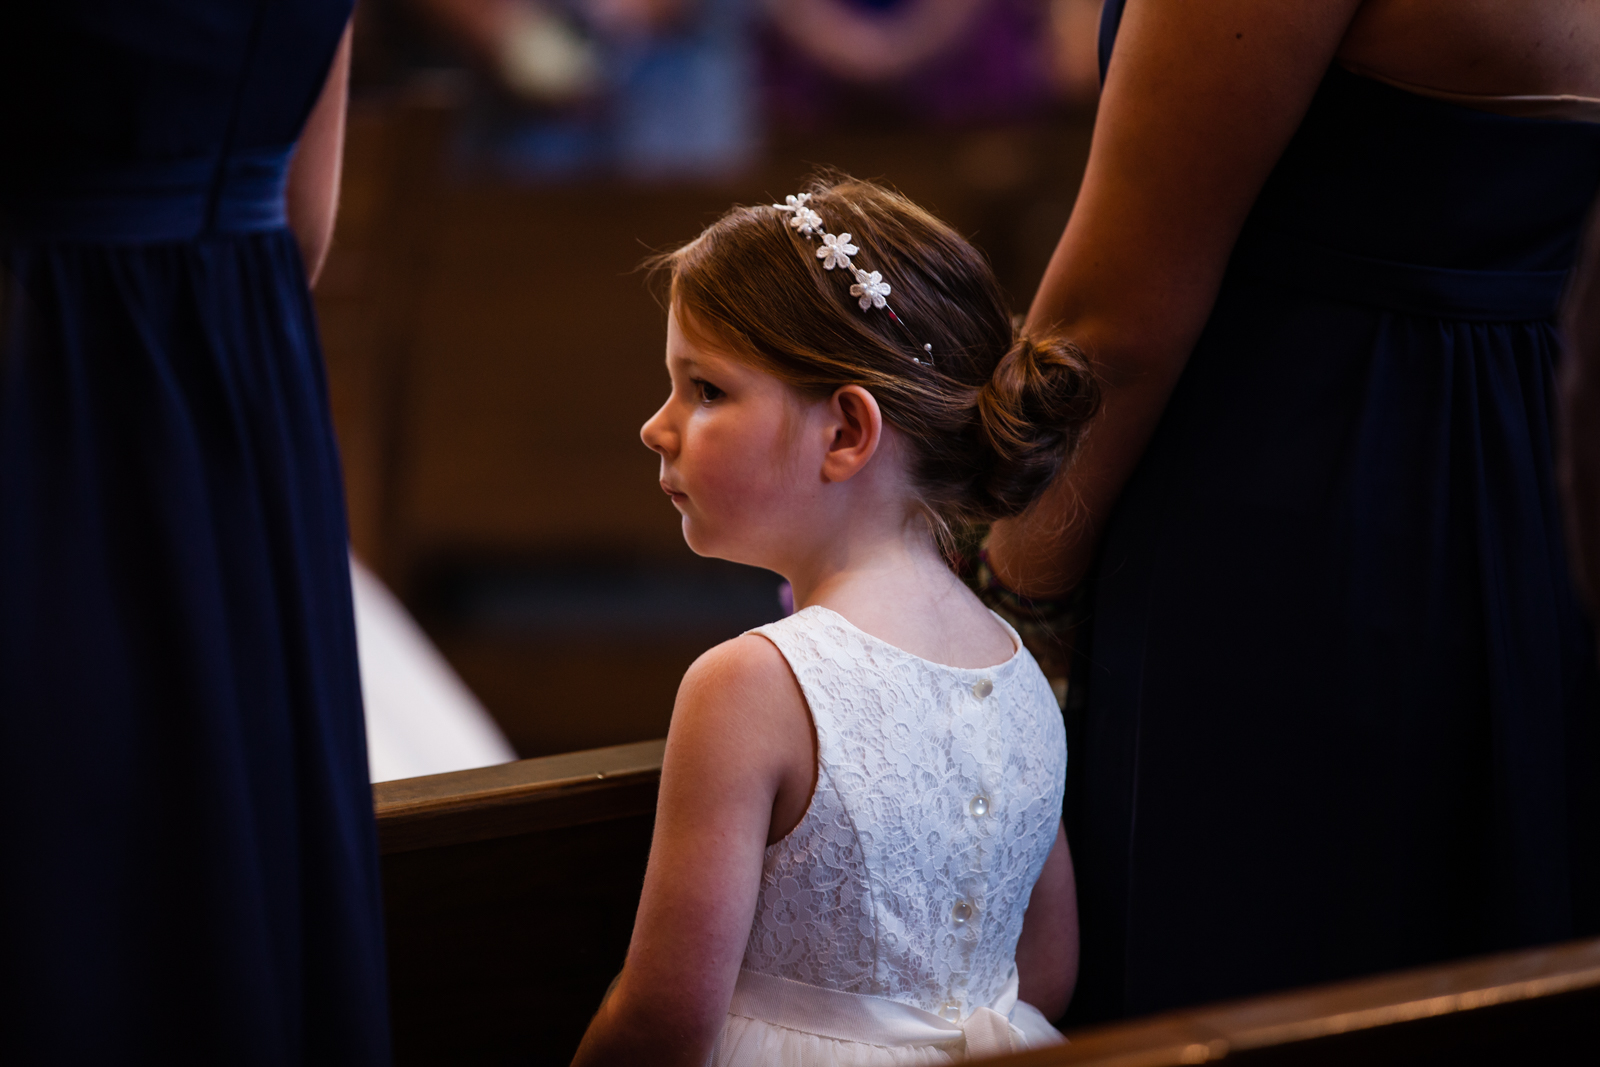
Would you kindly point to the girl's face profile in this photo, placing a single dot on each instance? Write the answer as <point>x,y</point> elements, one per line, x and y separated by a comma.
<point>732,444</point>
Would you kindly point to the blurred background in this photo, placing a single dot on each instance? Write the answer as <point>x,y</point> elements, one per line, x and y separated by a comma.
<point>492,348</point>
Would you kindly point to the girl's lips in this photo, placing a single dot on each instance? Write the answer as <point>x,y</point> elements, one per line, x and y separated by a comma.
<point>673,493</point>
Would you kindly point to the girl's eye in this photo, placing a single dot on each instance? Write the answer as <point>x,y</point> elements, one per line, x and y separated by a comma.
<point>708,392</point>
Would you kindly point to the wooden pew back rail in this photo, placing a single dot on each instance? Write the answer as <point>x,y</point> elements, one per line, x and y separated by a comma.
<point>511,890</point>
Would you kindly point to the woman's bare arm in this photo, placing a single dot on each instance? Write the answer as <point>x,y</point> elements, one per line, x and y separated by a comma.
<point>740,737</point>
<point>1199,102</point>
<point>1047,951</point>
<point>314,172</point>
<point>1488,47</point>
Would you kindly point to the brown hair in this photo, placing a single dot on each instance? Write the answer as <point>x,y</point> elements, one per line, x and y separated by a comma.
<point>989,418</point>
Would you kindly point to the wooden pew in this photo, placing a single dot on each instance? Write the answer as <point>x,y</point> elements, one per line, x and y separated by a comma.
<point>511,892</point>
<point>1538,1006</point>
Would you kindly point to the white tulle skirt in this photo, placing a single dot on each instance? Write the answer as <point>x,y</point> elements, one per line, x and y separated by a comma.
<point>775,1022</point>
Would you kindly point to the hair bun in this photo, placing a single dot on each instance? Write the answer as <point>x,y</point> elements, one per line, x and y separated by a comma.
<point>1032,412</point>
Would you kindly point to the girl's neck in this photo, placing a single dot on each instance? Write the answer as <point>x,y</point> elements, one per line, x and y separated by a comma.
<point>897,587</point>
<point>877,567</point>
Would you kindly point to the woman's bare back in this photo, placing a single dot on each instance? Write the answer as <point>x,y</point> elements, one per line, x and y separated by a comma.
<point>1480,47</point>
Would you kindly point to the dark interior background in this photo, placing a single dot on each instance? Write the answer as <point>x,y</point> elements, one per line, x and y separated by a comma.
<point>492,347</point>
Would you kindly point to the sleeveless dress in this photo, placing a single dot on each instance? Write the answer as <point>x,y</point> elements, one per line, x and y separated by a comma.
<point>887,924</point>
<point>1339,706</point>
<point>191,865</point>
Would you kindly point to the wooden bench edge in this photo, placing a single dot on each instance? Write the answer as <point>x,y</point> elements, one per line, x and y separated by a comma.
<point>1200,1035</point>
<point>520,797</point>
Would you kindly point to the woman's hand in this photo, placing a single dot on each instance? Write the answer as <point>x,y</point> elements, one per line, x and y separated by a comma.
<point>1200,100</point>
<point>740,762</point>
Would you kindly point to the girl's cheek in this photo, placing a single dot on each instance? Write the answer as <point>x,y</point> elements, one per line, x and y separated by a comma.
<point>728,476</point>
<point>743,451</point>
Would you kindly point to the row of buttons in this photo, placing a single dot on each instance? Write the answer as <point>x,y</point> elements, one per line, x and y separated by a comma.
<point>962,910</point>
<point>950,1010</point>
<point>977,807</point>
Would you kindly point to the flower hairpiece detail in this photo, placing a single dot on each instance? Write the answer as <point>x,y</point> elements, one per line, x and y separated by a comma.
<point>806,220</point>
<point>870,290</point>
<point>836,251</point>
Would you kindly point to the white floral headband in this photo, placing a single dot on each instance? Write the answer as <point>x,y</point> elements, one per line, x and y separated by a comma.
<point>870,290</point>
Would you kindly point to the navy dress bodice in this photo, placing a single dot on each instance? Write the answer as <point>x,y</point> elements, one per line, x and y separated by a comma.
<point>191,867</point>
<point>1338,713</point>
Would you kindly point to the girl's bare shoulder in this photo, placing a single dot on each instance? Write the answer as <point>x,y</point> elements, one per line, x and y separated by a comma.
<point>742,685</point>
<point>741,730</point>
<point>745,662</point>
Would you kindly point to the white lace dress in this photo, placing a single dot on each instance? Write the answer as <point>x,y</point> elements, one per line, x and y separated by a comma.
<point>887,925</point>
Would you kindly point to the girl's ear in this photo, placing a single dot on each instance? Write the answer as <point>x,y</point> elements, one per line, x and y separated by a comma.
<point>857,426</point>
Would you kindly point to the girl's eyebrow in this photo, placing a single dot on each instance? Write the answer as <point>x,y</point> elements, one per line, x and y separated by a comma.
<point>695,363</point>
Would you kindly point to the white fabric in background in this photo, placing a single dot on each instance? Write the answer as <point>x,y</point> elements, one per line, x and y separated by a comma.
<point>421,718</point>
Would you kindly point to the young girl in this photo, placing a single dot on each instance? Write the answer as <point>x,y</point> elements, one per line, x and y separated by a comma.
<point>858,854</point>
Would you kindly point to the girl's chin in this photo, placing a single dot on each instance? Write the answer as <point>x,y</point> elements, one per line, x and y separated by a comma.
<point>703,542</point>
<point>697,540</point>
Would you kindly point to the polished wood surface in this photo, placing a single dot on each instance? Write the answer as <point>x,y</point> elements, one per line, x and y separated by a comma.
<point>598,785</point>
<point>509,895</point>
<point>1537,1006</point>
<point>511,891</point>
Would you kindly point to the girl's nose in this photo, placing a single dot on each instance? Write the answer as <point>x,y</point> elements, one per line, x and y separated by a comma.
<point>657,435</point>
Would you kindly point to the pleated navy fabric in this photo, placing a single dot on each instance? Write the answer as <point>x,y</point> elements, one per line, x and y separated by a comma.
<point>1340,707</point>
<point>191,868</point>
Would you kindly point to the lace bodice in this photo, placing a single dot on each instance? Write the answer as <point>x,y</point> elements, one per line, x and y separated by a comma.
<point>938,793</point>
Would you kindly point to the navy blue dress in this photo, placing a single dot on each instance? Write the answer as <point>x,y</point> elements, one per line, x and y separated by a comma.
<point>190,861</point>
<point>1341,707</point>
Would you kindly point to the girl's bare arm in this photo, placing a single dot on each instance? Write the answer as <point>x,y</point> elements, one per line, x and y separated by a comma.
<point>740,743</point>
<point>1047,951</point>
<point>1199,102</point>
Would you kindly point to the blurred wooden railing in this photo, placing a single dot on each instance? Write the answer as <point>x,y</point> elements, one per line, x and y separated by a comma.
<point>511,892</point>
